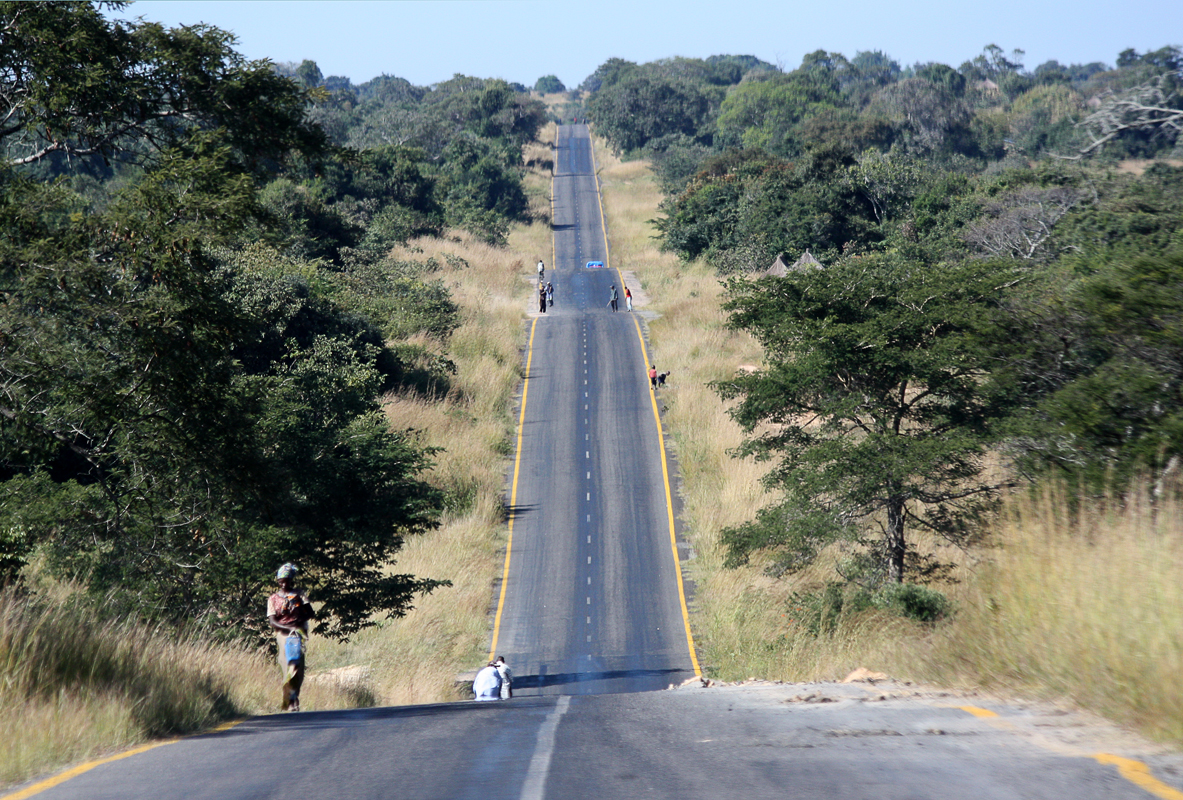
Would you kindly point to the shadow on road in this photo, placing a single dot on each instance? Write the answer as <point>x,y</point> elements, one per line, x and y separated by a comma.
<point>353,717</point>
<point>558,679</point>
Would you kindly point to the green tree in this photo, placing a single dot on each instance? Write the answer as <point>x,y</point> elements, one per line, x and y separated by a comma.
<point>648,103</point>
<point>78,85</point>
<point>549,84</point>
<point>764,113</point>
<point>174,423</point>
<point>875,400</point>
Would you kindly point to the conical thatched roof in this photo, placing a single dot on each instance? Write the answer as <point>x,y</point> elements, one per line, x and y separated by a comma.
<point>780,267</point>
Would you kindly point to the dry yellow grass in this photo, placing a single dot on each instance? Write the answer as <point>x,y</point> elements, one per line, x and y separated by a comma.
<point>1082,602</point>
<point>74,689</point>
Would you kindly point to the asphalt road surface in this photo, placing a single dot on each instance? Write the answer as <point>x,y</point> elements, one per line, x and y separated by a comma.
<point>820,742</point>
<point>591,618</point>
<point>591,602</point>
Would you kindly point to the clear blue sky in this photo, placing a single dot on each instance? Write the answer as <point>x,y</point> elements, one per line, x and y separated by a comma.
<point>522,40</point>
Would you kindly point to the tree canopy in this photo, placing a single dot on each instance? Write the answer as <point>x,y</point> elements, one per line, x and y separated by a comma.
<point>199,313</point>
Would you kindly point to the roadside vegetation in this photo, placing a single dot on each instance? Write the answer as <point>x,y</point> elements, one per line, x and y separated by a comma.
<point>1064,586</point>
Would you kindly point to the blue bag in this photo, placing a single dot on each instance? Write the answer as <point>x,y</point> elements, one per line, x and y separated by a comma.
<point>293,647</point>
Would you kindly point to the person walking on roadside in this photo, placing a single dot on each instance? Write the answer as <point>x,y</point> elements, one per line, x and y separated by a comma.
<point>653,376</point>
<point>487,684</point>
<point>550,293</point>
<point>613,297</point>
<point>288,612</point>
<point>506,677</point>
<point>542,298</point>
<point>541,271</point>
<point>628,299</point>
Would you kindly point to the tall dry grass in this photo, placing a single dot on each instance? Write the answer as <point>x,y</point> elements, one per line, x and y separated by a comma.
<point>1083,600</point>
<point>1085,605</point>
<point>74,687</point>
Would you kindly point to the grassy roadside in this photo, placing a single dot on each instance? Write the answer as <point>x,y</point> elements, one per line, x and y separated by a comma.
<point>77,690</point>
<point>1083,606</point>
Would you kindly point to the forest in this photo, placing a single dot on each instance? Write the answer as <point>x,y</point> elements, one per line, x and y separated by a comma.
<point>978,279</point>
<point>200,315</point>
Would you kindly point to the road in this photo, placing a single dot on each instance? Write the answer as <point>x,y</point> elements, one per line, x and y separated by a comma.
<point>590,617</point>
<point>819,742</point>
<point>592,602</point>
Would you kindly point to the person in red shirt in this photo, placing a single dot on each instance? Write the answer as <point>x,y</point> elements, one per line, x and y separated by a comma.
<point>653,376</point>
<point>288,612</point>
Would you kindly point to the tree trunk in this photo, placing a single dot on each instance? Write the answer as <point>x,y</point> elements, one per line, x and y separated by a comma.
<point>895,540</point>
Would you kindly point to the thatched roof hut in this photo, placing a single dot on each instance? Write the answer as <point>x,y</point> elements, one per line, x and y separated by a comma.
<point>780,267</point>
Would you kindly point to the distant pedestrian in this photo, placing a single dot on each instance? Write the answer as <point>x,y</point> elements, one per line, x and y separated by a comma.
<point>550,293</point>
<point>541,270</point>
<point>628,299</point>
<point>653,376</point>
<point>542,299</point>
<point>487,685</point>
<point>506,677</point>
<point>613,297</point>
<point>288,612</point>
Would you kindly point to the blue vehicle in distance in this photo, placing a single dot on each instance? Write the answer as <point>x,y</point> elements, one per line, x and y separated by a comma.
<point>595,265</point>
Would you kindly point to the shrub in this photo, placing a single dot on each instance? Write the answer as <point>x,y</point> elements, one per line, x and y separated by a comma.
<point>913,602</point>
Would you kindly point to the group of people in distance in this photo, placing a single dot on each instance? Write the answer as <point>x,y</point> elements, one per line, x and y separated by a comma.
<point>546,290</point>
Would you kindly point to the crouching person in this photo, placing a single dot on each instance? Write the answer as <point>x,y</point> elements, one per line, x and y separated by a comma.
<point>487,685</point>
<point>288,611</point>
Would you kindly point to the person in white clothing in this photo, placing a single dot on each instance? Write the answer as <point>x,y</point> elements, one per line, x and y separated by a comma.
<point>541,270</point>
<point>487,685</point>
<point>506,677</point>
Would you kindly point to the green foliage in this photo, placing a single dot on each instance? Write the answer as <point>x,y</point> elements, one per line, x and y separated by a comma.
<point>876,401</point>
<point>79,85</point>
<point>650,102</point>
<point>764,113</point>
<point>748,198</point>
<point>818,613</point>
<point>549,84</point>
<point>481,188</point>
<point>914,602</point>
<point>181,411</point>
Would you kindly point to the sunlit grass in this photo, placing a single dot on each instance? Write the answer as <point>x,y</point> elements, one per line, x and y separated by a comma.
<point>73,688</point>
<point>1081,601</point>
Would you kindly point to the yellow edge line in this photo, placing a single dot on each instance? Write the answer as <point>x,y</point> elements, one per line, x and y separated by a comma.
<point>669,510</point>
<point>982,713</point>
<point>513,495</point>
<point>74,772</point>
<point>665,470</point>
<point>1136,772</point>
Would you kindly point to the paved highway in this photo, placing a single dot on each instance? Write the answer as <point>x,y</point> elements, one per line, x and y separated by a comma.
<point>590,616</point>
<point>592,602</point>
